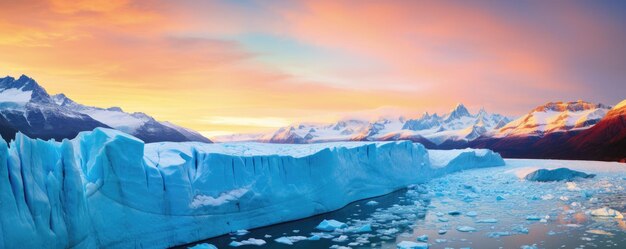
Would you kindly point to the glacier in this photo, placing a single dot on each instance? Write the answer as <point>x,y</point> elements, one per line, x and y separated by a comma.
<point>107,189</point>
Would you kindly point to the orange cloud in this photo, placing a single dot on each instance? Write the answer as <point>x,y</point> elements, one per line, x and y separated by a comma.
<point>186,61</point>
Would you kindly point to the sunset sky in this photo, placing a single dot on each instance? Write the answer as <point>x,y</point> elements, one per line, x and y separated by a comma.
<point>241,66</point>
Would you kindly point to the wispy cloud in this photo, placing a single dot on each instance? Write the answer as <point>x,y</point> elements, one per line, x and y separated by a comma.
<point>241,61</point>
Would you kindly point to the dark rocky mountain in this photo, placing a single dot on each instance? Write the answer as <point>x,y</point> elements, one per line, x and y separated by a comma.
<point>27,107</point>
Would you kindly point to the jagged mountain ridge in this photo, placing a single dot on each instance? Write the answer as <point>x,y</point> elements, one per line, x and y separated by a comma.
<point>27,107</point>
<point>559,130</point>
<point>457,125</point>
<point>595,139</point>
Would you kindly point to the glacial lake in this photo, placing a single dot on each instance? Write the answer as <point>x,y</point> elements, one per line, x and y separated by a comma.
<point>482,208</point>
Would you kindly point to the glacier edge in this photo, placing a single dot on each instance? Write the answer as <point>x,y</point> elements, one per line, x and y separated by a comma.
<point>108,189</point>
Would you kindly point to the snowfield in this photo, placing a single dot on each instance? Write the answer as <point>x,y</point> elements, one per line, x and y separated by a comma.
<point>106,189</point>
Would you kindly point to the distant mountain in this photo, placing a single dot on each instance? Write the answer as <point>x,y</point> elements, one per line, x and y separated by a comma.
<point>572,130</point>
<point>607,139</point>
<point>558,130</point>
<point>459,125</point>
<point>555,117</point>
<point>25,106</point>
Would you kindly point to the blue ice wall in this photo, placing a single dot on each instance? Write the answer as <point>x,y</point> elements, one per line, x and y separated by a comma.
<point>107,189</point>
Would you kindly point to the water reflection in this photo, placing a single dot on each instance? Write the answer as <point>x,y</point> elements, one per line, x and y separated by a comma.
<point>502,212</point>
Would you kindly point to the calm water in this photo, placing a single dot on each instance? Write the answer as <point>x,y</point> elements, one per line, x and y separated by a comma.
<point>409,213</point>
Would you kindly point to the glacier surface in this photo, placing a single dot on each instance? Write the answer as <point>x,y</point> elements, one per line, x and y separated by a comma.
<point>107,189</point>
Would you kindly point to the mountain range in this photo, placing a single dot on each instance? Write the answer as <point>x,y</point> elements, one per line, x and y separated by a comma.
<point>27,107</point>
<point>558,130</point>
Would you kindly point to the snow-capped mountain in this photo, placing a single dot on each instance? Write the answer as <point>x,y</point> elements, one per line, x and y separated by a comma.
<point>25,106</point>
<point>457,125</point>
<point>555,117</point>
<point>606,139</point>
<point>560,130</point>
<point>573,130</point>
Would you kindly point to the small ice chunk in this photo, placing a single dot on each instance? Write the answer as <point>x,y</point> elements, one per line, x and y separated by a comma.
<point>284,240</point>
<point>339,247</point>
<point>490,220</point>
<point>599,232</point>
<point>267,236</point>
<point>290,240</point>
<point>250,241</point>
<point>528,247</point>
<point>411,245</point>
<point>533,217</point>
<point>455,212</point>
<point>442,219</point>
<point>253,241</point>
<point>371,203</point>
<point>521,229</point>
<point>607,212</point>
<point>498,234</point>
<point>203,246</point>
<point>314,237</point>
<point>364,229</point>
<point>465,229</point>
<point>499,198</point>
<point>571,186</point>
<point>547,197</point>
<point>441,240</point>
<point>389,231</point>
<point>341,238</point>
<point>330,225</point>
<point>442,231</point>
<point>240,232</point>
<point>471,214</point>
<point>323,235</point>
<point>423,238</point>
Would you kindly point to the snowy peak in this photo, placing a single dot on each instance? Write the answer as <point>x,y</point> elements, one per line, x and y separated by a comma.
<point>576,106</point>
<point>286,135</point>
<point>618,111</point>
<point>555,117</point>
<point>620,105</point>
<point>458,125</point>
<point>25,106</point>
<point>23,90</point>
<point>62,100</point>
<point>459,111</point>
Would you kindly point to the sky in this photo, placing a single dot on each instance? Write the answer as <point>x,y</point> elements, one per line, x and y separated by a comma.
<point>224,67</point>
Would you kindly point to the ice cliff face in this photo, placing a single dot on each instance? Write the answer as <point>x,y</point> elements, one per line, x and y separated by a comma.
<point>107,189</point>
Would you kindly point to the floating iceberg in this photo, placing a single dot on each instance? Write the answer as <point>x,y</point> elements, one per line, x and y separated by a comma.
<point>607,212</point>
<point>411,245</point>
<point>465,229</point>
<point>371,203</point>
<point>330,225</point>
<point>560,174</point>
<point>293,239</point>
<point>422,238</point>
<point>108,189</point>
<point>203,246</point>
<point>364,229</point>
<point>250,241</point>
